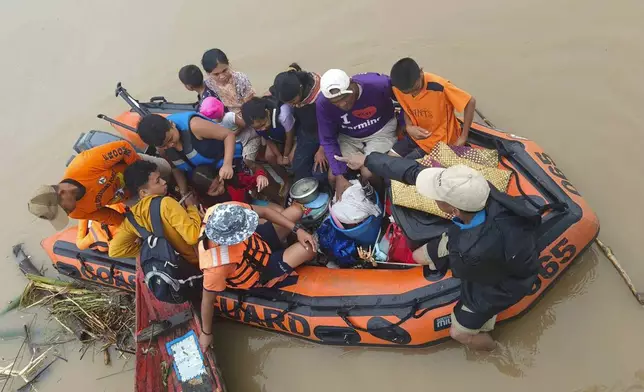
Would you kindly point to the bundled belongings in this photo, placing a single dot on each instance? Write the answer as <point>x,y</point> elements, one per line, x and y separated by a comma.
<point>483,160</point>
<point>354,207</point>
<point>337,246</point>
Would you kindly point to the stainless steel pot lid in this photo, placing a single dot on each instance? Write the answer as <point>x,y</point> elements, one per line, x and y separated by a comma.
<point>304,187</point>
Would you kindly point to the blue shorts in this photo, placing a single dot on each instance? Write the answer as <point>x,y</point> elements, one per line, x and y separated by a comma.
<point>407,148</point>
<point>276,267</point>
<point>304,156</point>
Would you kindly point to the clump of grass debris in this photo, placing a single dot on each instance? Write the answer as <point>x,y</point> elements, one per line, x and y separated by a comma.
<point>94,314</point>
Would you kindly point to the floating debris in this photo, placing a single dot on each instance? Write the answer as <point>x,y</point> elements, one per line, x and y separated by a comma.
<point>104,315</point>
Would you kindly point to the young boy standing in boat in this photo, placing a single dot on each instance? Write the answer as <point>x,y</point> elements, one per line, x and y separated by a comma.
<point>240,253</point>
<point>429,102</point>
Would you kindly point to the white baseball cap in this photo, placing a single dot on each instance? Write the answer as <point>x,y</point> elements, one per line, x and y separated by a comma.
<point>459,186</point>
<point>45,206</point>
<point>334,83</point>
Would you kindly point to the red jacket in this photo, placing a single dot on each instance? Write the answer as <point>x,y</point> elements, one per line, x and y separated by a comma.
<point>245,182</point>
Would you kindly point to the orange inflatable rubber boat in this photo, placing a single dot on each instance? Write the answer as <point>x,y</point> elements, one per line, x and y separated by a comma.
<point>391,305</point>
<point>411,306</point>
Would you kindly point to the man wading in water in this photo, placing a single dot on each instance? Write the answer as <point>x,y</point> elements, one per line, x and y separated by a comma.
<point>491,247</point>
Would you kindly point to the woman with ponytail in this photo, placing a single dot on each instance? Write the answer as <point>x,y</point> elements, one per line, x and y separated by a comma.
<point>299,89</point>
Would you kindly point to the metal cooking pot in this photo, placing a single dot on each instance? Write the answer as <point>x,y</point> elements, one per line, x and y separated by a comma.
<point>305,190</point>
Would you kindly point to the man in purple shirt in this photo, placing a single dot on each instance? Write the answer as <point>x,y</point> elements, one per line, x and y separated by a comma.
<point>355,115</point>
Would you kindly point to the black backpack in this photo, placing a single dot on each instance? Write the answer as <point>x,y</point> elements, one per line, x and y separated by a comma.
<point>168,276</point>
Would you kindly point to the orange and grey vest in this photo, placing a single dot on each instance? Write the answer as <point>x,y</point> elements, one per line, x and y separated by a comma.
<point>95,235</point>
<point>250,256</point>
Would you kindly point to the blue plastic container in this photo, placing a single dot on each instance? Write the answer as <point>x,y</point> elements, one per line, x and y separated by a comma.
<point>366,232</point>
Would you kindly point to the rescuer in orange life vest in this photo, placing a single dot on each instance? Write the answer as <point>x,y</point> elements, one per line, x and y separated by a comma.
<point>240,253</point>
<point>92,181</point>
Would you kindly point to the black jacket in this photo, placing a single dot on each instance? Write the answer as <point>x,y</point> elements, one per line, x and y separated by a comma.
<point>496,261</point>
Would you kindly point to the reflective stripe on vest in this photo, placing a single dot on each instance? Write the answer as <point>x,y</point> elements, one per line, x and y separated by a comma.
<point>182,122</point>
<point>190,155</point>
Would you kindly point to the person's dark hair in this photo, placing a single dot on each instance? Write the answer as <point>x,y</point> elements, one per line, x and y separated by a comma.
<point>191,75</point>
<point>202,177</point>
<point>404,74</point>
<point>287,85</point>
<point>294,67</point>
<point>152,129</point>
<point>254,109</point>
<point>137,175</point>
<point>211,58</point>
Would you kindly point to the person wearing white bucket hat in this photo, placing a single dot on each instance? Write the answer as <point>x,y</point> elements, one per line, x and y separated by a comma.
<point>355,114</point>
<point>491,247</point>
<point>238,252</point>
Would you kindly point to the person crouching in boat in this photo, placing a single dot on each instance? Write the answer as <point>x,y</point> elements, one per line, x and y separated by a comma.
<point>300,89</point>
<point>428,102</point>
<point>274,122</point>
<point>492,246</point>
<point>188,140</point>
<point>180,225</point>
<point>92,181</point>
<point>355,114</point>
<point>239,252</point>
<point>95,235</point>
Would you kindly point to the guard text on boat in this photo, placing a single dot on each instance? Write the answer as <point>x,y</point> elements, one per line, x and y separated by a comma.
<point>263,317</point>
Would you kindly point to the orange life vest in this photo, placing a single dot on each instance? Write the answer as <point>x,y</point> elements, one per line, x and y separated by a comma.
<point>96,235</point>
<point>250,256</point>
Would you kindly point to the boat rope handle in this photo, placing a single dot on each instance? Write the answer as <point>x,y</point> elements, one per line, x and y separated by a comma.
<point>559,206</point>
<point>81,259</point>
<point>279,317</point>
<point>344,315</point>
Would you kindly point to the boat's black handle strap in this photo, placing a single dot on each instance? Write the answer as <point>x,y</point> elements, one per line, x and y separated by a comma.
<point>82,261</point>
<point>284,312</point>
<point>279,317</point>
<point>504,153</point>
<point>344,315</point>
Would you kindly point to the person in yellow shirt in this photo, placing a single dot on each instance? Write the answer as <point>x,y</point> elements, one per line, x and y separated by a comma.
<point>181,226</point>
<point>429,102</point>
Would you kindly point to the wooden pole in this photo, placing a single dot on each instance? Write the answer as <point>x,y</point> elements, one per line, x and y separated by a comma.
<point>488,122</point>
<point>608,252</point>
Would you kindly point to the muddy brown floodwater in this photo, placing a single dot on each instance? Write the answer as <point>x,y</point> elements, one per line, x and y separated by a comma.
<point>566,73</point>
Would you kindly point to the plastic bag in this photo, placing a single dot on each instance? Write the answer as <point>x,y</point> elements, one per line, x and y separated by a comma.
<point>337,245</point>
<point>354,206</point>
<point>398,249</point>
